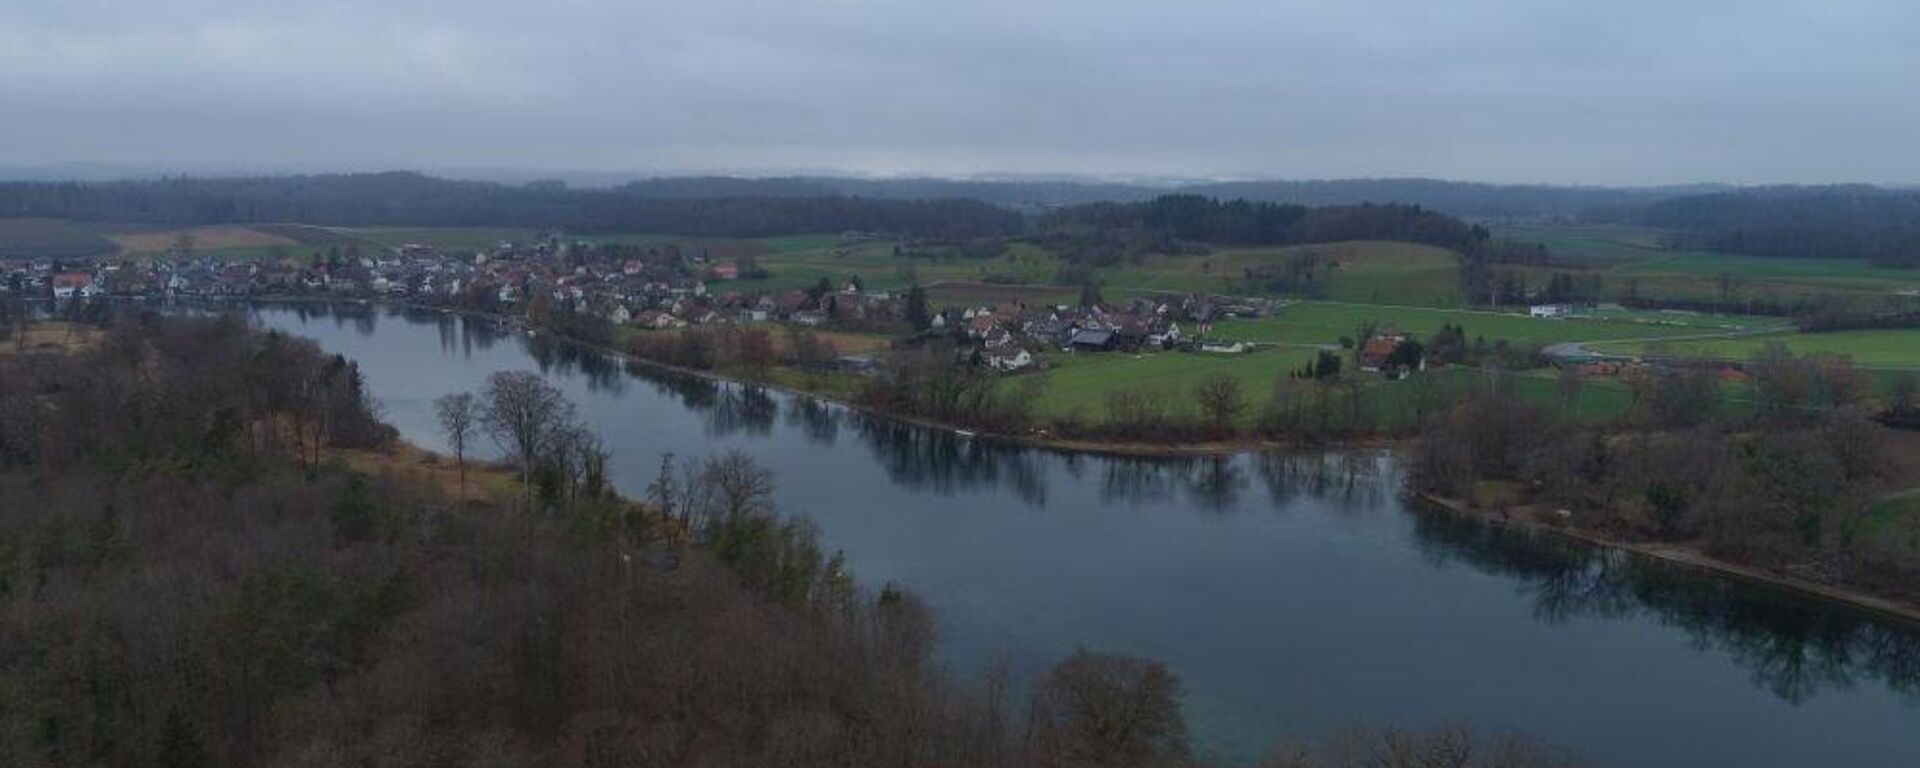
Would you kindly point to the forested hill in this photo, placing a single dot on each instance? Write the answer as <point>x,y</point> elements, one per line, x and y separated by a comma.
<point>1025,195</point>
<point>489,201</point>
<point>1499,201</point>
<point>1851,221</point>
<point>1492,201</point>
<point>1169,220</point>
<point>410,199</point>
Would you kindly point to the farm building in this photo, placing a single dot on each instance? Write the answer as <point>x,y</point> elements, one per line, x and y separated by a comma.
<point>1091,340</point>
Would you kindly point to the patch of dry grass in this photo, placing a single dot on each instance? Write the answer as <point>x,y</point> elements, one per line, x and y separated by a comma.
<point>485,481</point>
<point>52,337</point>
<point>204,239</point>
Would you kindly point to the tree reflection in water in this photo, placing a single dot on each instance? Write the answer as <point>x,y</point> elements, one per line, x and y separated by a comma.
<point>943,462</point>
<point>557,356</point>
<point>1347,480</point>
<point>741,409</point>
<point>815,419</point>
<point>1793,646</point>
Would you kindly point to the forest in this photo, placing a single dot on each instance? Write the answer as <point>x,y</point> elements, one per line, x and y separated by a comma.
<point>411,199</point>
<point>194,576</point>
<point>1103,233</point>
<point>1791,487</point>
<point>1458,198</point>
<point>1833,222</point>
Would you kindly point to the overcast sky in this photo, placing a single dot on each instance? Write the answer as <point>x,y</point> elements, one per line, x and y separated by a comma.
<point>1570,91</point>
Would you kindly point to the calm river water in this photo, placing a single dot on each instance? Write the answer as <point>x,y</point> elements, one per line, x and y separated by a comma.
<point>1295,595</point>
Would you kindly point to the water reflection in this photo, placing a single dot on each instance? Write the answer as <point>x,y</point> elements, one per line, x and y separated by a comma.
<point>559,357</point>
<point>741,409</point>
<point>1793,646</point>
<point>1348,480</point>
<point>815,419</point>
<point>945,463</point>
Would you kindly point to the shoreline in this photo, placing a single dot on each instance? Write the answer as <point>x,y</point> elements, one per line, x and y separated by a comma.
<point>1211,448</point>
<point>1671,554</point>
<point>1686,557</point>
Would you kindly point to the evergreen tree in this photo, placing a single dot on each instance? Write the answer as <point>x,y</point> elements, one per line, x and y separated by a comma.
<point>918,315</point>
<point>180,743</point>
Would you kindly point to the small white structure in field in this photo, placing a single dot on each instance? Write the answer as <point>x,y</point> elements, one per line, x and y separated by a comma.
<point>1223,347</point>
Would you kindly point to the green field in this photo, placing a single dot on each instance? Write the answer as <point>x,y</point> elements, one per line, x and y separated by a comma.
<point>1365,271</point>
<point>1634,261</point>
<point>1875,348</point>
<point>1591,244</point>
<point>796,243</point>
<point>1320,322</point>
<point>1079,383</point>
<point>799,262</point>
<point>1850,273</point>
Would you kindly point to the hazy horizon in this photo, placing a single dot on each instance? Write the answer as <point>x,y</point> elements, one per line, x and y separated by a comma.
<point>1621,94</point>
<point>98,172</point>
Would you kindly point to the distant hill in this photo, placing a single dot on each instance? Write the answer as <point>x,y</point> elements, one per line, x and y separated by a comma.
<point>1469,199</point>
<point>1501,202</point>
<point>1816,221</point>
<point>412,199</point>
<point>1015,194</point>
<point>1474,200</point>
<point>1845,221</point>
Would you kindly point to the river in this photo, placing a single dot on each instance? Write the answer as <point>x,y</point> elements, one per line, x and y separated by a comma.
<point>1295,594</point>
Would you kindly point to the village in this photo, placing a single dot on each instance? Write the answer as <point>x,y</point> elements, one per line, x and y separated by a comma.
<point>650,288</point>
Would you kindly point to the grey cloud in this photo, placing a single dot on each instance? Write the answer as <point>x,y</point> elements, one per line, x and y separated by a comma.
<point>1544,90</point>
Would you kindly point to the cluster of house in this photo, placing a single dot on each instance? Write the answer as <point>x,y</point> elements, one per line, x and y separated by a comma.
<point>653,288</point>
<point>1008,334</point>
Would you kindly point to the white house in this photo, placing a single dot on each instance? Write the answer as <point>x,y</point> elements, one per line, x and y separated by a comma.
<point>1008,359</point>
<point>1549,311</point>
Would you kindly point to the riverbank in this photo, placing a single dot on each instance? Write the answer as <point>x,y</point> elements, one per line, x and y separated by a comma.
<point>1681,555</point>
<point>1026,554</point>
<point>1038,439</point>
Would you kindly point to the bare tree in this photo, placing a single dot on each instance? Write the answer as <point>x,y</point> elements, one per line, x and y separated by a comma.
<point>1108,710</point>
<point>738,486</point>
<point>460,415</point>
<point>1221,401</point>
<point>1136,411</point>
<point>1570,382</point>
<point>524,414</point>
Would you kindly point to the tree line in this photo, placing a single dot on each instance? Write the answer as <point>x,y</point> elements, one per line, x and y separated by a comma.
<point>186,587</point>
<point>1835,222</point>
<point>411,199</point>
<point>1172,224</point>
